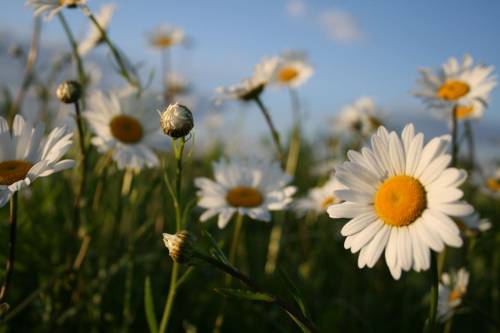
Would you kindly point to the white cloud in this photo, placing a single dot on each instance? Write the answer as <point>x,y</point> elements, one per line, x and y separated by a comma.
<point>341,26</point>
<point>296,8</point>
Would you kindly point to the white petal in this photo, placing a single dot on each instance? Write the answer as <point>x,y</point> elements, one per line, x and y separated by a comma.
<point>358,223</point>
<point>348,210</point>
<point>404,248</point>
<point>364,236</point>
<point>377,246</point>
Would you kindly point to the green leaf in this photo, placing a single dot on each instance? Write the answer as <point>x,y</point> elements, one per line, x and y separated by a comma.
<point>295,292</point>
<point>149,306</point>
<point>215,250</point>
<point>245,294</point>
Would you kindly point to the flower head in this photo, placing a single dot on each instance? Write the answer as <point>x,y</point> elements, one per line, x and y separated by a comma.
<point>490,185</point>
<point>319,198</point>
<point>25,154</point>
<point>52,7</point>
<point>176,121</point>
<point>180,246</point>
<point>451,292</point>
<point>69,92</point>
<point>361,117</point>
<point>473,224</point>
<point>126,125</point>
<point>463,86</point>
<point>400,196</point>
<point>248,187</point>
<point>94,36</point>
<point>164,37</point>
<point>291,69</point>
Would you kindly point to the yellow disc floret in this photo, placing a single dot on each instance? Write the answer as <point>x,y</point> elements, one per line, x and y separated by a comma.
<point>287,74</point>
<point>241,196</point>
<point>453,90</point>
<point>13,171</point>
<point>400,200</point>
<point>126,129</point>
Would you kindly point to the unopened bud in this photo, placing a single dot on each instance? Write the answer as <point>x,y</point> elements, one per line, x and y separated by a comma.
<point>180,246</point>
<point>69,92</point>
<point>176,121</point>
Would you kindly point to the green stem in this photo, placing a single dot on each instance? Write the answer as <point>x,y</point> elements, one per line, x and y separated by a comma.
<point>178,152</point>
<point>83,168</point>
<point>74,49</point>
<point>454,133</point>
<point>434,293</point>
<point>274,133</point>
<point>470,142</point>
<point>116,54</point>
<point>11,258</point>
<point>294,149</point>
<point>447,326</point>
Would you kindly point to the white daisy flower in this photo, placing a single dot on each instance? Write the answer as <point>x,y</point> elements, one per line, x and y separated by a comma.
<point>250,88</point>
<point>25,154</point>
<point>164,37</point>
<point>461,85</point>
<point>400,197</point>
<point>250,187</point>
<point>451,292</point>
<point>52,7</point>
<point>491,184</point>
<point>177,84</point>
<point>319,198</point>
<point>128,126</point>
<point>94,37</point>
<point>292,69</point>
<point>361,117</point>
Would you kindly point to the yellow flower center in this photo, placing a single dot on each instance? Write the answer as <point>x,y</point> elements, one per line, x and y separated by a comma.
<point>400,200</point>
<point>454,295</point>
<point>126,129</point>
<point>453,90</point>
<point>327,202</point>
<point>163,41</point>
<point>493,184</point>
<point>241,196</point>
<point>287,74</point>
<point>13,171</point>
<point>69,3</point>
<point>464,112</point>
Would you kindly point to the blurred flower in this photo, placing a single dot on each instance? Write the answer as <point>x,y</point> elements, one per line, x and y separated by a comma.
<point>128,126</point>
<point>291,69</point>
<point>177,85</point>
<point>180,246</point>
<point>473,223</point>
<point>361,117</point>
<point>26,155</point>
<point>399,198</point>
<point>248,187</point>
<point>319,198</point>
<point>164,37</point>
<point>491,185</point>
<point>460,85</point>
<point>176,121</point>
<point>250,88</point>
<point>94,37</point>
<point>52,7</point>
<point>451,292</point>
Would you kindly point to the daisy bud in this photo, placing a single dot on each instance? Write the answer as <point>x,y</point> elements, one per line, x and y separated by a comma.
<point>176,121</point>
<point>69,92</point>
<point>180,246</point>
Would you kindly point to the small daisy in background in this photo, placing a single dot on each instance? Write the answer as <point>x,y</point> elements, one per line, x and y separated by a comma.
<point>291,69</point>
<point>94,37</point>
<point>177,84</point>
<point>362,117</point>
<point>318,199</point>
<point>400,196</point>
<point>52,7</point>
<point>473,224</point>
<point>128,126</point>
<point>462,85</point>
<point>451,293</point>
<point>251,187</point>
<point>490,183</point>
<point>164,37</point>
<point>25,154</point>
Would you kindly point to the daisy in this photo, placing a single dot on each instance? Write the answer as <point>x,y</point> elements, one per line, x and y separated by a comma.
<point>177,84</point>
<point>164,37</point>
<point>94,37</point>
<point>25,154</point>
<point>248,187</point>
<point>461,85</point>
<point>399,198</point>
<point>250,88</point>
<point>491,185</point>
<point>361,117</point>
<point>473,223</point>
<point>319,198</point>
<point>52,7</point>
<point>291,69</point>
<point>128,126</point>
<point>451,292</point>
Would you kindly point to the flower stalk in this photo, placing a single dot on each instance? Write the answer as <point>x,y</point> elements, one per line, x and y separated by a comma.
<point>11,258</point>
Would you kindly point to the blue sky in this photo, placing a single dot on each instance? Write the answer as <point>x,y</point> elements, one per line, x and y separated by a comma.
<point>377,52</point>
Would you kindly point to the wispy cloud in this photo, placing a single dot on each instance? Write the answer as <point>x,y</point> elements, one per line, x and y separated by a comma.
<point>296,8</point>
<point>341,26</point>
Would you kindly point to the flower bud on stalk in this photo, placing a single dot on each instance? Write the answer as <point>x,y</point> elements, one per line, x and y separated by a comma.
<point>180,246</point>
<point>176,121</point>
<point>69,92</point>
